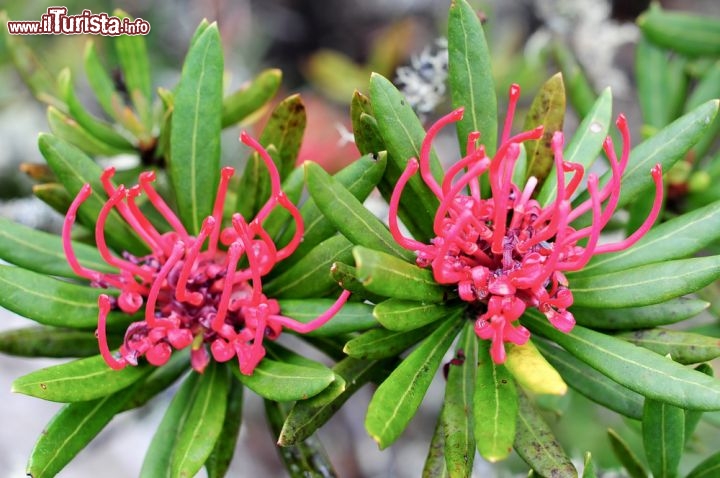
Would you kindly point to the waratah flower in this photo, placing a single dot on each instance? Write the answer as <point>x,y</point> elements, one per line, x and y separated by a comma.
<point>507,252</point>
<point>193,289</point>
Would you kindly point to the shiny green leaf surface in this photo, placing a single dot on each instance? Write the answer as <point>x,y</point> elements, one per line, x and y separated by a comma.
<point>400,315</point>
<point>285,382</point>
<point>195,138</point>
<point>250,97</point>
<point>631,318</point>
<point>682,347</point>
<point>353,317</point>
<point>397,399</point>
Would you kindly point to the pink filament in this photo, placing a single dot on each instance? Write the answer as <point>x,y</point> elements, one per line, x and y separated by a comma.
<point>304,328</point>
<point>104,306</point>
<point>148,177</point>
<point>177,252</point>
<point>425,149</point>
<point>406,242</point>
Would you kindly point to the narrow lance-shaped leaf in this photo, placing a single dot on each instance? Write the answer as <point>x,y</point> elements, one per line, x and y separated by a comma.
<point>196,437</point>
<point>397,399</point>
<point>307,458</point>
<point>195,138</point>
<point>457,411</point>
<point>49,342</point>
<point>677,238</point>
<point>310,276</point>
<point>645,285</point>
<point>682,347</point>
<point>250,97</point>
<point>495,408</point>
<point>306,416</point>
<point>709,468</point>
<point>435,466</point>
<point>470,75</point>
<point>360,177</point>
<point>532,372</point>
<point>401,315</point>
<point>348,214</point>
<point>626,456</point>
<point>636,368</point>
<point>663,437</point>
<point>690,34</point>
<point>66,128</point>
<point>537,445</point>
<point>74,169</point>
<point>392,277</point>
<point>54,195</point>
<point>285,382</point>
<point>402,134</point>
<point>43,252</point>
<point>593,384</point>
<point>70,430</point>
<point>579,91</point>
<point>656,78</point>
<point>547,109</point>
<point>381,343</point>
<point>219,460</point>
<point>50,301</point>
<point>693,417</point>
<point>135,63</point>
<point>77,381</point>
<point>707,88</point>
<point>101,83</point>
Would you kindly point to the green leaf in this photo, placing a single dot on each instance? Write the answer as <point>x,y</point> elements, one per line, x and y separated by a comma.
<point>537,445</point>
<point>495,405</point>
<point>54,195</point>
<point>402,315</point>
<point>626,456</point>
<point>690,34</point>
<point>365,127</point>
<point>589,467</point>
<point>43,252</point>
<point>74,169</point>
<point>663,429</point>
<point>591,383</point>
<point>586,144</point>
<point>101,83</point>
<point>198,433</point>
<point>707,88</point>
<point>305,459</point>
<point>346,277</point>
<point>353,317</point>
<point>693,417</point>
<point>631,318</point>
<point>52,302</point>
<point>66,128</point>
<point>665,148</point>
<point>283,131</point>
<point>435,466</point>
<point>709,468</point>
<point>659,76</point>
<point>398,397</point>
<point>310,276</point>
<point>78,381</point>
<point>677,238</point>
<point>195,138</point>
<point>219,460</point>
<point>348,214</point>
<point>381,343</point>
<point>580,93</point>
<point>251,96</point>
<point>645,285</point>
<point>470,75</point>
<point>285,382</point>
<point>636,368</point>
<point>306,416</point>
<point>101,130</point>
<point>33,73</point>
<point>159,454</point>
<point>360,177</point>
<point>48,342</point>
<point>70,430</point>
<point>392,277</point>
<point>547,109</point>
<point>135,64</point>
<point>683,347</point>
<point>457,411</point>
<point>402,134</point>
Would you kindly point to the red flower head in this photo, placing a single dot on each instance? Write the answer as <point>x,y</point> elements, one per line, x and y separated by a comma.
<point>508,252</point>
<point>193,296</point>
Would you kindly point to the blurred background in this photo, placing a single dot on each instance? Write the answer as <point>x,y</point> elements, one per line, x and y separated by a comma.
<point>325,50</point>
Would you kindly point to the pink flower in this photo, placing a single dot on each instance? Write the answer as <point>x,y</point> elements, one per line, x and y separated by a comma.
<point>193,291</point>
<point>507,252</point>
